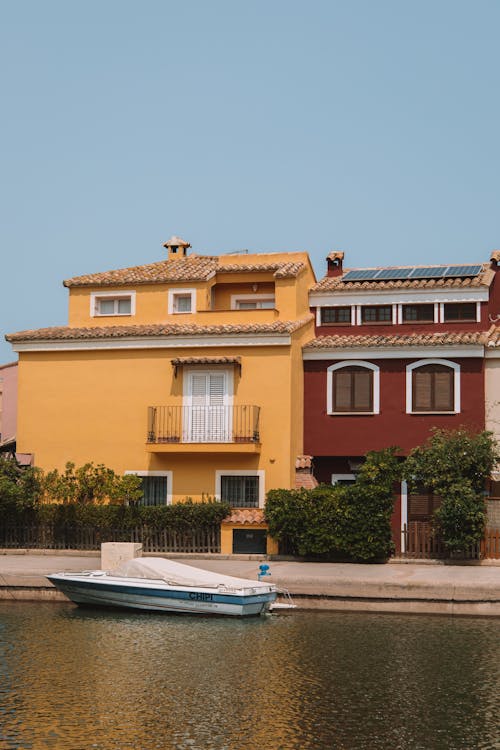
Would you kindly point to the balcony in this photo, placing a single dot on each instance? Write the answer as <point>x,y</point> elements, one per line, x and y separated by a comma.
<point>202,429</point>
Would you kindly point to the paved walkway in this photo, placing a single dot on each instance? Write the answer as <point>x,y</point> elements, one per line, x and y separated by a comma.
<point>412,587</point>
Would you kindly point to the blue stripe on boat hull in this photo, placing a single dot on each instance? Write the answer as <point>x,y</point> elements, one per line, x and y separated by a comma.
<point>157,600</point>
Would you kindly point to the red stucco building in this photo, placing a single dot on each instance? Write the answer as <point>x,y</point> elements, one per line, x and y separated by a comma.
<point>397,352</point>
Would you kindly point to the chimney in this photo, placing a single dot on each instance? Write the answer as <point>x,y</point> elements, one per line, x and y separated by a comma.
<point>495,259</point>
<point>176,248</point>
<point>334,262</point>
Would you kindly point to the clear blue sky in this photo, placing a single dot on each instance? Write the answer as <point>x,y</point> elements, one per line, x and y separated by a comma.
<point>362,125</point>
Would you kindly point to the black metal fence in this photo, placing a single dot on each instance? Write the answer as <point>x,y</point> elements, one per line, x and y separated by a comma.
<point>52,536</point>
<point>203,424</point>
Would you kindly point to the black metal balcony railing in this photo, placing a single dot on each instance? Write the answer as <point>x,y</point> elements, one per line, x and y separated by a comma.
<point>203,424</point>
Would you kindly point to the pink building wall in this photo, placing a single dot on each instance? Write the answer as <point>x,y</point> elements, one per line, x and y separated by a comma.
<point>8,403</point>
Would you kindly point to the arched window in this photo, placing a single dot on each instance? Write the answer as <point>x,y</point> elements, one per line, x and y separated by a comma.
<point>433,386</point>
<point>353,388</point>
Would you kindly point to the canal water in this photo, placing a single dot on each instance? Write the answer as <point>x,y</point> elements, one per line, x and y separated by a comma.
<point>73,678</point>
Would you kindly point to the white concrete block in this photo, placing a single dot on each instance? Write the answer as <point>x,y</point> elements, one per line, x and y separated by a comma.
<point>113,554</point>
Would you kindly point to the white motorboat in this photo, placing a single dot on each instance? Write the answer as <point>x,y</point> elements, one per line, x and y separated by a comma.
<point>159,585</point>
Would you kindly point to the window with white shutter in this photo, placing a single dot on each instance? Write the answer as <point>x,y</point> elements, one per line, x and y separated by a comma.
<point>207,411</point>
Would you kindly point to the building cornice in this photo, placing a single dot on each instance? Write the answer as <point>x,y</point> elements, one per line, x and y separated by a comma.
<point>337,297</point>
<point>159,342</point>
<point>392,352</point>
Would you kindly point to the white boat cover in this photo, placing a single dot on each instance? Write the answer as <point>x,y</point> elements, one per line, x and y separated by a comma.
<point>177,574</point>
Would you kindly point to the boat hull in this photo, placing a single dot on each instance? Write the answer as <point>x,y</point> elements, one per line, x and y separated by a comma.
<point>87,591</point>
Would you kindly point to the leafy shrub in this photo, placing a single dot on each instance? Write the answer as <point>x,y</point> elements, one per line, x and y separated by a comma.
<point>455,464</point>
<point>461,517</point>
<point>367,507</point>
<point>90,484</point>
<point>304,520</point>
<point>450,457</point>
<point>349,521</point>
<point>20,488</point>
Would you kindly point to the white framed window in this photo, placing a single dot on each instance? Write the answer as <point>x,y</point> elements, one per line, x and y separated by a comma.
<point>241,488</point>
<point>112,303</point>
<point>156,487</point>
<point>433,387</point>
<point>335,316</point>
<point>253,302</point>
<point>181,301</point>
<point>459,312</point>
<point>325,317</point>
<point>353,387</point>
<point>343,479</point>
<point>208,400</point>
<point>378,314</point>
<point>418,313</point>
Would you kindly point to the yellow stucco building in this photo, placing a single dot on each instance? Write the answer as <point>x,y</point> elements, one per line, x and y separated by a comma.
<point>186,371</point>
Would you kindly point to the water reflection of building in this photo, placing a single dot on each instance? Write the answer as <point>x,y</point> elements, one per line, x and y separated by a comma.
<point>315,680</point>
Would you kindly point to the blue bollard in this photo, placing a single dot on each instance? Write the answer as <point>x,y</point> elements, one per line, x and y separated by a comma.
<point>263,571</point>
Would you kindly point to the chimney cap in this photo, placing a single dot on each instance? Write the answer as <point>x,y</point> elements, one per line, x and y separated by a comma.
<point>175,241</point>
<point>335,255</point>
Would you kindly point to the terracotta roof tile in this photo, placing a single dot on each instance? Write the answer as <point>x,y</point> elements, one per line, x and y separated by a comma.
<point>181,361</point>
<point>67,333</point>
<point>495,255</point>
<point>303,462</point>
<point>280,270</point>
<point>493,337</point>
<point>337,284</point>
<point>193,268</point>
<point>386,340</point>
<point>245,516</point>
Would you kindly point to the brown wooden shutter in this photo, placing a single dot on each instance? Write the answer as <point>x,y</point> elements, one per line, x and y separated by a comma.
<point>443,390</point>
<point>422,390</point>
<point>433,388</point>
<point>353,389</point>
<point>362,390</point>
<point>342,390</point>
<point>418,507</point>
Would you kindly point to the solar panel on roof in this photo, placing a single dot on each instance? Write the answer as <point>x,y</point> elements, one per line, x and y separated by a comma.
<point>394,273</point>
<point>365,275</point>
<point>463,271</point>
<point>430,272</point>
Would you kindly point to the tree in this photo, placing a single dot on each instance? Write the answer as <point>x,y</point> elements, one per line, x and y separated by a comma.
<point>455,465</point>
<point>20,487</point>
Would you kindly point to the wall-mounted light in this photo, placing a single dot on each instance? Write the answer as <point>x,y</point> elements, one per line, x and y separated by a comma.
<point>255,287</point>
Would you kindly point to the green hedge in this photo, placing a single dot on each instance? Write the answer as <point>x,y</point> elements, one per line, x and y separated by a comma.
<point>181,516</point>
<point>341,522</point>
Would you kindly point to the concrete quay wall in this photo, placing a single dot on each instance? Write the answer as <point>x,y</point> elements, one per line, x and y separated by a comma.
<point>409,588</point>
